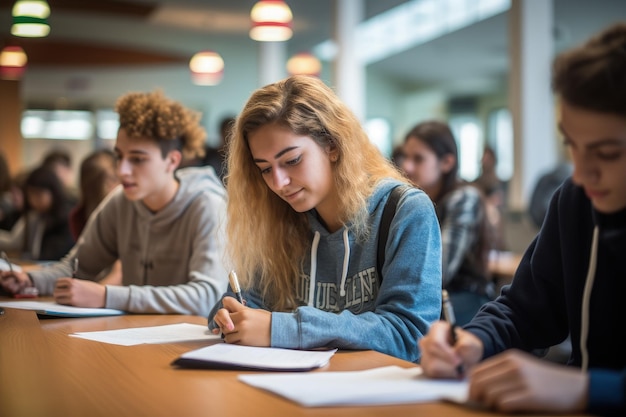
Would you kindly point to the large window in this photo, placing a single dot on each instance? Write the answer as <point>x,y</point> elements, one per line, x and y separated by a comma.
<point>500,139</point>
<point>57,124</point>
<point>107,123</point>
<point>69,124</point>
<point>469,138</point>
<point>379,132</point>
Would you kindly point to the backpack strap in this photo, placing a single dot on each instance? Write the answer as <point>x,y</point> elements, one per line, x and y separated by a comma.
<point>385,222</point>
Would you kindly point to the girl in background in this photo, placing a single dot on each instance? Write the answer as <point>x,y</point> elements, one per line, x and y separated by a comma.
<point>97,179</point>
<point>431,162</point>
<point>11,197</point>
<point>42,232</point>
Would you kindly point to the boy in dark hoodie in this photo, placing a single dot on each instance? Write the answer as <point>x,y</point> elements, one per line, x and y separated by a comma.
<point>572,277</point>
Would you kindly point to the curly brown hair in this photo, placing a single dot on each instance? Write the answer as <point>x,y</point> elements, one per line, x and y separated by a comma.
<point>166,122</point>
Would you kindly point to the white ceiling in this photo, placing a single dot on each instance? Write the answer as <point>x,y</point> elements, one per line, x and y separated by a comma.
<point>470,60</point>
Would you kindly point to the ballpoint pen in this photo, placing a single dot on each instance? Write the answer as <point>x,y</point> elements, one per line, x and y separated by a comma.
<point>448,314</point>
<point>75,268</point>
<point>234,284</point>
<point>6,259</point>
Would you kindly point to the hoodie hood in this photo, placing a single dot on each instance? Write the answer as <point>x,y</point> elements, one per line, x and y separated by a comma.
<point>192,182</point>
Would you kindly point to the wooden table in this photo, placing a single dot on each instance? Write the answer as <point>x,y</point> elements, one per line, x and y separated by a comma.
<point>502,266</point>
<point>44,372</point>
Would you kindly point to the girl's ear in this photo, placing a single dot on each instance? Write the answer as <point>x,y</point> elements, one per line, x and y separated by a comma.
<point>333,153</point>
<point>447,163</point>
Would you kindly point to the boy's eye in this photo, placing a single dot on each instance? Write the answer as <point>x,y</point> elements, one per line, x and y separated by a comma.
<point>609,156</point>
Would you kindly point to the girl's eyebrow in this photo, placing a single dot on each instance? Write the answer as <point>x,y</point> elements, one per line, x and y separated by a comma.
<point>278,155</point>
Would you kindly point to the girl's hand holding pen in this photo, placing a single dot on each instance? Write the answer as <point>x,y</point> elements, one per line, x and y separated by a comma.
<point>440,358</point>
<point>243,325</point>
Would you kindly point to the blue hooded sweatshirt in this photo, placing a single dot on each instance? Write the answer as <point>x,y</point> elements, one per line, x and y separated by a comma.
<point>571,280</point>
<point>345,304</point>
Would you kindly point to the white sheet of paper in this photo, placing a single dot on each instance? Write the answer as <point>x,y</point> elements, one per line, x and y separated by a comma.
<point>379,386</point>
<point>261,357</point>
<point>169,333</point>
<point>51,308</point>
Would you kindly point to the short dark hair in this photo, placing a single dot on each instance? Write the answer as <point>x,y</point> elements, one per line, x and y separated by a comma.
<point>592,76</point>
<point>43,177</point>
<point>57,157</point>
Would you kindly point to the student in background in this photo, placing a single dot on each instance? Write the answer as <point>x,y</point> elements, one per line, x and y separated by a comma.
<point>163,224</point>
<point>571,278</point>
<point>97,179</point>
<point>11,197</point>
<point>306,191</point>
<point>431,162</point>
<point>216,157</point>
<point>42,232</point>
<point>60,162</point>
<point>494,192</point>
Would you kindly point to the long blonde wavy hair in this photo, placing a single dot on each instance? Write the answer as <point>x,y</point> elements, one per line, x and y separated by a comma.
<point>267,239</point>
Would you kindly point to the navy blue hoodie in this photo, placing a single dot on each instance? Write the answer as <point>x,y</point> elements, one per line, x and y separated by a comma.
<point>544,303</point>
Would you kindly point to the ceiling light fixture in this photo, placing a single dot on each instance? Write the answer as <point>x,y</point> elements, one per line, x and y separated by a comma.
<point>30,18</point>
<point>304,63</point>
<point>12,62</point>
<point>207,68</point>
<point>271,21</point>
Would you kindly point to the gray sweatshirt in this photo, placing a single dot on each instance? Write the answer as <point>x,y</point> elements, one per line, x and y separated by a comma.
<point>172,261</point>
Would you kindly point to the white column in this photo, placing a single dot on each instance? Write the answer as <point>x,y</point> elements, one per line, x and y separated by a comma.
<point>531,102</point>
<point>272,61</point>
<point>349,74</point>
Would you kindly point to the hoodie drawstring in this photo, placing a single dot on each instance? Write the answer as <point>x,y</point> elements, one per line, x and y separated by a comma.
<point>316,241</point>
<point>584,324</point>
<point>346,259</point>
<point>344,269</point>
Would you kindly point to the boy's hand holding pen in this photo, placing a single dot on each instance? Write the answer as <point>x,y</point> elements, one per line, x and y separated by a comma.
<point>448,313</point>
